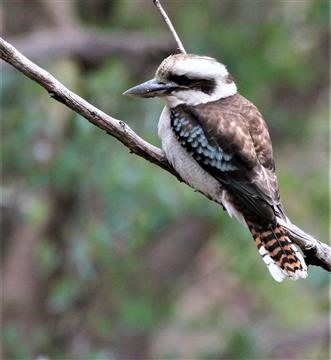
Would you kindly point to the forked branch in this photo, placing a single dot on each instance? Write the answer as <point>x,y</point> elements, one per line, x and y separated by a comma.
<point>316,252</point>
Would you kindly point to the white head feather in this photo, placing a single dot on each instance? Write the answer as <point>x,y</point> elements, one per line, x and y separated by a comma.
<point>197,67</point>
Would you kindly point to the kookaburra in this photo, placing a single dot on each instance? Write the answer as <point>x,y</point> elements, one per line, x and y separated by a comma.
<point>219,144</point>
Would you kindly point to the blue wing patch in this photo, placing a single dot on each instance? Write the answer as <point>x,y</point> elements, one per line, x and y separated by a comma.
<point>192,137</point>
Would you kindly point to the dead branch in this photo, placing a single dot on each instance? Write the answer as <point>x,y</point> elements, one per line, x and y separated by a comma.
<point>170,26</point>
<point>317,253</point>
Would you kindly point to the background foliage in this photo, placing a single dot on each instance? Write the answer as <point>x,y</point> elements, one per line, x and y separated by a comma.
<point>106,256</point>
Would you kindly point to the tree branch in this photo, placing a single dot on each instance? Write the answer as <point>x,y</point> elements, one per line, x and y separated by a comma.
<point>59,92</point>
<point>170,26</point>
<point>316,252</point>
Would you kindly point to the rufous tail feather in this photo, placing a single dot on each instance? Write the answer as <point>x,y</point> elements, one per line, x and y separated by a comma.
<point>278,252</point>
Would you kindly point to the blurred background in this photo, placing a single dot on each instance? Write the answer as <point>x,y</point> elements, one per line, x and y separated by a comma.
<point>105,256</point>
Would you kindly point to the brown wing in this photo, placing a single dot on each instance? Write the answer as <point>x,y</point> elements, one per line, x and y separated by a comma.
<point>221,137</point>
<point>263,147</point>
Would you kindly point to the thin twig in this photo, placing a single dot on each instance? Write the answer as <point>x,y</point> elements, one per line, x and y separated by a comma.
<point>170,26</point>
<point>318,253</point>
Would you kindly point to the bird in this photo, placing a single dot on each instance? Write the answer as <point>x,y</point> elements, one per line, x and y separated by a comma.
<point>219,143</point>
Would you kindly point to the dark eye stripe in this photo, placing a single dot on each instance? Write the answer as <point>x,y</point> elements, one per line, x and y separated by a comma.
<point>181,80</point>
<point>205,85</point>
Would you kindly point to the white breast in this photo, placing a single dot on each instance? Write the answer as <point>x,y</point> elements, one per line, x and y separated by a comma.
<point>183,163</point>
<point>189,169</point>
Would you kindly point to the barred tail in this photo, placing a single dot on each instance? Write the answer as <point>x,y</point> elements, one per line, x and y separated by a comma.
<point>279,253</point>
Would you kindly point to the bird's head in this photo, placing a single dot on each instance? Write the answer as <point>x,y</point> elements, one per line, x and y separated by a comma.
<point>187,79</point>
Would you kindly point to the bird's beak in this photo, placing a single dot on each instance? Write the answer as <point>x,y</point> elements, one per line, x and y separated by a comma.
<point>151,88</point>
